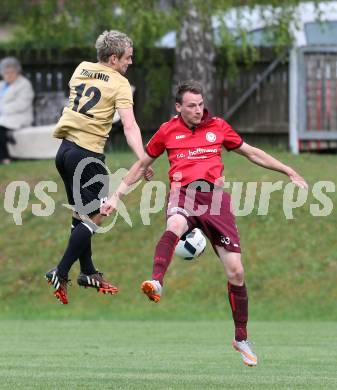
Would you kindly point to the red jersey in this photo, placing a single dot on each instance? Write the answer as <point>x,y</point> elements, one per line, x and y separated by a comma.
<point>194,153</point>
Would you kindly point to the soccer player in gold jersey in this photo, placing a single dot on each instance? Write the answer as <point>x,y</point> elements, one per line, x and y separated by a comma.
<point>97,90</point>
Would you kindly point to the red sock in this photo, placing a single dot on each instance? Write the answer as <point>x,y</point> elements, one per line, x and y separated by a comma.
<point>238,300</point>
<point>163,255</point>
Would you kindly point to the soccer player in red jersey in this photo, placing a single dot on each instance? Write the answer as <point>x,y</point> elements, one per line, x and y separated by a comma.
<point>193,141</point>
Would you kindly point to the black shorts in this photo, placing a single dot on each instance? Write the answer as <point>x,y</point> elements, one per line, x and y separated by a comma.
<point>84,175</point>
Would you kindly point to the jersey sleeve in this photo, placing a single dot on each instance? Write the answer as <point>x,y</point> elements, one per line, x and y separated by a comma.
<point>124,97</point>
<point>232,140</point>
<point>156,146</point>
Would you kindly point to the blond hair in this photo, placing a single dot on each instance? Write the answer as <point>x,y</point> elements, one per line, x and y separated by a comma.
<point>112,43</point>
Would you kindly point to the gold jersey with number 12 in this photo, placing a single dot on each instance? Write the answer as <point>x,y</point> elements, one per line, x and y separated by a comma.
<point>96,91</point>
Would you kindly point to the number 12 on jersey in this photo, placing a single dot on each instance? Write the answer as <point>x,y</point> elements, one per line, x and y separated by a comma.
<point>92,92</point>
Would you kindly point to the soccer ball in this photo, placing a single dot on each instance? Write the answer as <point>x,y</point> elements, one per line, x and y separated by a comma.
<point>191,245</point>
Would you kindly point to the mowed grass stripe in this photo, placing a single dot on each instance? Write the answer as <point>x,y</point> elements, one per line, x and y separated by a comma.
<point>164,355</point>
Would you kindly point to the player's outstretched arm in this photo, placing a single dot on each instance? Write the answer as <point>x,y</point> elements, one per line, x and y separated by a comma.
<point>131,131</point>
<point>135,173</point>
<point>133,136</point>
<point>265,160</point>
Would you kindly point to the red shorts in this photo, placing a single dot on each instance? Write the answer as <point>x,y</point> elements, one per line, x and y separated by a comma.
<point>209,211</point>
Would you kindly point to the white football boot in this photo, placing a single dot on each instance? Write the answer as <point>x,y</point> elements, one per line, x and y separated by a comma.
<point>248,356</point>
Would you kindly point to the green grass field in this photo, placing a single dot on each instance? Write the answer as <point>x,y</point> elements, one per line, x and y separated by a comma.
<point>184,342</point>
<point>290,265</point>
<point>164,355</point>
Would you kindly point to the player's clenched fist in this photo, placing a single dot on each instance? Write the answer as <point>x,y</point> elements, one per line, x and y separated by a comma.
<point>109,206</point>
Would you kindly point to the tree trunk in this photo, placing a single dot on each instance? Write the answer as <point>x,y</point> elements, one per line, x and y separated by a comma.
<point>194,52</point>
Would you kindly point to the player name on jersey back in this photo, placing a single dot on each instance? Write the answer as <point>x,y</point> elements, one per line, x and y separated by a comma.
<point>95,75</point>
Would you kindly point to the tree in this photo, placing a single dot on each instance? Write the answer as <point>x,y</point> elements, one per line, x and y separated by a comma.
<point>195,51</point>
<point>61,24</point>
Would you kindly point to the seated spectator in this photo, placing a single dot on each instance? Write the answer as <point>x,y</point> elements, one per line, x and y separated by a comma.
<point>16,103</point>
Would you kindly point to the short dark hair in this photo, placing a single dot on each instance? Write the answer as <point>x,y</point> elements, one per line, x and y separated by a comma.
<point>188,86</point>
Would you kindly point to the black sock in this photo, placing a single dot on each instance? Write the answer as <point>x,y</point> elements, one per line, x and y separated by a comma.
<point>86,263</point>
<point>79,240</point>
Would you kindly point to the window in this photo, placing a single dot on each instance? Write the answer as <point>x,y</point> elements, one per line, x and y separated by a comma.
<point>321,33</point>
